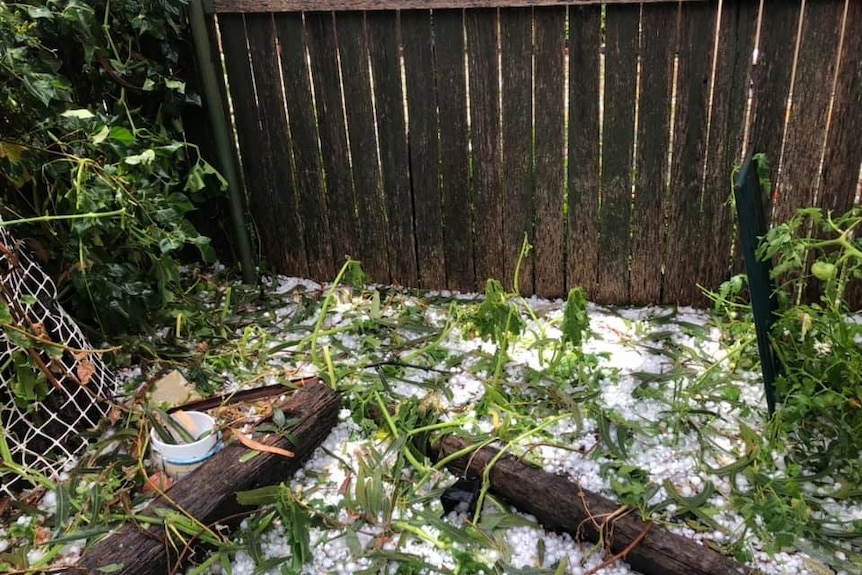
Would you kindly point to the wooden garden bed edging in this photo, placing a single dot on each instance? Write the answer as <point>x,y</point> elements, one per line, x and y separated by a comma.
<point>561,504</point>
<point>209,493</point>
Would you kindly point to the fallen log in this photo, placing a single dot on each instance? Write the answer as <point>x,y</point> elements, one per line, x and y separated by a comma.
<point>561,504</point>
<point>209,493</point>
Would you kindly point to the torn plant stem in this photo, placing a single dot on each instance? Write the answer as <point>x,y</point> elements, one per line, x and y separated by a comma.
<point>327,303</point>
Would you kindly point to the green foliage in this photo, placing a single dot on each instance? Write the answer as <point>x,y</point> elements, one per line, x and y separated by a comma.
<point>576,320</point>
<point>298,521</point>
<point>763,168</point>
<point>95,170</point>
<point>498,319</point>
<point>816,433</point>
<point>818,256</point>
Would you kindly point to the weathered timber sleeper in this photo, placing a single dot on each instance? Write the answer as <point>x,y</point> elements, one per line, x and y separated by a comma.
<point>209,493</point>
<point>561,504</point>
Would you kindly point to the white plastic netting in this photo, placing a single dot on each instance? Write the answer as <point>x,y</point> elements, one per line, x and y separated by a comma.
<point>54,387</point>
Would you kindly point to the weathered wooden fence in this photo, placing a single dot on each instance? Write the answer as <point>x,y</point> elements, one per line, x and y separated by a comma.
<point>428,140</point>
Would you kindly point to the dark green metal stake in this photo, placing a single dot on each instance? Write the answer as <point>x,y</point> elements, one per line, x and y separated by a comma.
<point>764,303</point>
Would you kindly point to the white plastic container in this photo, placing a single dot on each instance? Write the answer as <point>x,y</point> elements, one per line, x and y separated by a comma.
<point>178,460</point>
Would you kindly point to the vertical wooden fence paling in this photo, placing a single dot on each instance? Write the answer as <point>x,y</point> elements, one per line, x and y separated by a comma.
<point>615,208</point>
<point>771,78</point>
<point>384,52</point>
<point>271,233</point>
<point>486,158</point>
<point>582,255</point>
<point>710,226</point>
<point>548,237</point>
<point>428,139</point>
<point>737,24</point>
<point>452,126</point>
<point>688,245</point>
<point>516,57</point>
<point>653,129</point>
<point>274,146</point>
<point>815,68</point>
<point>361,132</point>
<point>843,149</point>
<point>303,129</point>
<point>423,143</point>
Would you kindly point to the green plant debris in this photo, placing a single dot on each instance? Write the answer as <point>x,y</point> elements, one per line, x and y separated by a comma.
<point>653,408</point>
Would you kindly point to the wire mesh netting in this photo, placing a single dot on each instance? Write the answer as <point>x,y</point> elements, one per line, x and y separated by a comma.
<point>53,386</point>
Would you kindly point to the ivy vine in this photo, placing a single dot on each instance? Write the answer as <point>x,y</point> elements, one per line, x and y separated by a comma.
<point>96,173</point>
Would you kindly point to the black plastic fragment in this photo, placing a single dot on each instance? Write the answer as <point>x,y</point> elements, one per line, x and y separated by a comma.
<point>461,496</point>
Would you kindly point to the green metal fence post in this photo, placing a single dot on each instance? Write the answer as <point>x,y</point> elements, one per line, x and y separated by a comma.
<point>764,303</point>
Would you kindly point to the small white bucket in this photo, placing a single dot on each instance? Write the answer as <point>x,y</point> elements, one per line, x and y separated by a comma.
<point>178,460</point>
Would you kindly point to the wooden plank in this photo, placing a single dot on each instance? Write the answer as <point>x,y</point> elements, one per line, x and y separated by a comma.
<point>283,243</point>
<point>208,494</point>
<point>343,226</point>
<point>452,107</point>
<point>582,254</point>
<point>423,145</point>
<point>771,79</point>
<point>238,70</point>
<point>714,238</point>
<point>815,69</point>
<point>287,243</point>
<point>549,240</point>
<point>384,52</point>
<point>487,162</point>
<point>727,123</point>
<point>317,5</point>
<point>516,45</point>
<point>561,504</point>
<point>617,146</point>
<point>658,26</point>
<point>797,183</point>
<point>356,79</point>
<point>306,151</point>
<point>843,152</point>
<point>688,245</point>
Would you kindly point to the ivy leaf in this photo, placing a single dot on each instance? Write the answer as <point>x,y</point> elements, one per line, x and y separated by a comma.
<point>146,157</point>
<point>42,86</point>
<point>5,314</point>
<point>30,385</point>
<point>80,114</point>
<point>176,85</point>
<point>122,135</point>
<point>198,171</point>
<point>101,135</point>
<point>36,12</point>
<point>18,339</point>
